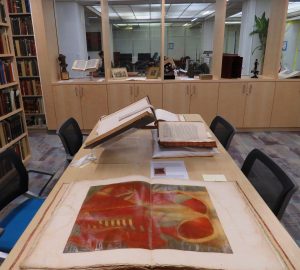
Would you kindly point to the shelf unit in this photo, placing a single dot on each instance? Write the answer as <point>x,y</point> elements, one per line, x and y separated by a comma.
<point>13,130</point>
<point>27,64</point>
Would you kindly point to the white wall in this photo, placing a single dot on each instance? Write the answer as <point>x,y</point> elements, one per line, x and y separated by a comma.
<point>291,57</point>
<point>71,33</point>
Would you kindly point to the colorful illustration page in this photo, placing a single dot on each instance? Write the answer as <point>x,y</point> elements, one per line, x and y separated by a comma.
<point>141,215</point>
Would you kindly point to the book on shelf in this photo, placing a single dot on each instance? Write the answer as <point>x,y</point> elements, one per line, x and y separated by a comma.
<point>18,6</point>
<point>2,13</point>
<point>6,72</point>
<point>21,26</point>
<point>4,42</point>
<point>9,100</point>
<point>135,115</point>
<point>86,65</point>
<point>184,134</point>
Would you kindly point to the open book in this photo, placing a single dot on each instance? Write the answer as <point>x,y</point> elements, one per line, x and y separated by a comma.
<point>136,115</point>
<point>184,134</point>
<point>139,223</point>
<point>89,65</point>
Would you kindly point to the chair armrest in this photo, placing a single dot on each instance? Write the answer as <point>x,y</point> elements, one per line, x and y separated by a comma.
<point>30,195</point>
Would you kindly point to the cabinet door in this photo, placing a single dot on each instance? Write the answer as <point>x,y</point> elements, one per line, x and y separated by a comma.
<point>286,107</point>
<point>176,97</point>
<point>231,103</point>
<point>67,103</point>
<point>259,104</point>
<point>204,100</point>
<point>152,90</point>
<point>93,104</point>
<point>119,96</point>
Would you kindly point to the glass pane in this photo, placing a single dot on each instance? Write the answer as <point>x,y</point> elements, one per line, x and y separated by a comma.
<point>290,59</point>
<point>136,37</point>
<point>79,35</point>
<point>189,28</point>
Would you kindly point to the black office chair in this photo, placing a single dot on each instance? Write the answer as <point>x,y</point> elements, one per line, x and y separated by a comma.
<point>13,183</point>
<point>71,137</point>
<point>270,181</point>
<point>223,130</point>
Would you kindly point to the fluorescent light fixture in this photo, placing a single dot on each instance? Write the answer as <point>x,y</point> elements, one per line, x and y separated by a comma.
<point>194,19</point>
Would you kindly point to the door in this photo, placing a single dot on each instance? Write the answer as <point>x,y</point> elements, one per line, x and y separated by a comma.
<point>259,104</point>
<point>286,107</point>
<point>119,95</point>
<point>231,103</point>
<point>67,103</point>
<point>93,104</point>
<point>204,100</point>
<point>176,97</point>
<point>152,90</point>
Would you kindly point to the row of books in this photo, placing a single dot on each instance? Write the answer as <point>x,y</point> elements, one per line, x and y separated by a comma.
<point>36,121</point>
<point>6,71</point>
<point>9,100</point>
<point>33,105</point>
<point>21,25</point>
<point>10,129</point>
<point>18,6</point>
<point>24,47</point>
<point>30,87</point>
<point>4,42</point>
<point>27,67</point>
<point>2,13</point>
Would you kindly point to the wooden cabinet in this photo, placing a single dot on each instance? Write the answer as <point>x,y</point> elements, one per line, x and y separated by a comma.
<point>199,98</point>
<point>246,104</point>
<point>121,95</point>
<point>286,107</point>
<point>204,100</point>
<point>85,103</point>
<point>259,104</point>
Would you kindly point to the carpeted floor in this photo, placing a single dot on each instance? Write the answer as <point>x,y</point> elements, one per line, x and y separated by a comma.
<point>284,147</point>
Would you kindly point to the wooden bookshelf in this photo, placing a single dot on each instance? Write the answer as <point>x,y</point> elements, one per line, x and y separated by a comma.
<point>13,130</point>
<point>25,50</point>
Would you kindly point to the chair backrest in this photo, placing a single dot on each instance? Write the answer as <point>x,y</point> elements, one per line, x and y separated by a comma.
<point>13,177</point>
<point>223,130</point>
<point>270,181</point>
<point>71,136</point>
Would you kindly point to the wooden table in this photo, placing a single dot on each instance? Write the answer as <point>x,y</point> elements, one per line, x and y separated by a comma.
<point>131,155</point>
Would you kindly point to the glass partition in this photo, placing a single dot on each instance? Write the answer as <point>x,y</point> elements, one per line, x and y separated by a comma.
<point>135,37</point>
<point>189,29</point>
<point>290,58</point>
<point>79,34</point>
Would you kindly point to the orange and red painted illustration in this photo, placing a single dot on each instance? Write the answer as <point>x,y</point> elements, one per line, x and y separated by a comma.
<point>141,215</point>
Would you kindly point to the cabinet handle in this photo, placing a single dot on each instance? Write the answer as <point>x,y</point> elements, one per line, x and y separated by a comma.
<point>250,89</point>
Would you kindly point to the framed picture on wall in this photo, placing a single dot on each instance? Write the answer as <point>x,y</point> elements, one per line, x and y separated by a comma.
<point>119,73</point>
<point>153,72</point>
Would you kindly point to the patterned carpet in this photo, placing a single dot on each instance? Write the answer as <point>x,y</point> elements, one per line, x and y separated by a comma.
<point>284,147</point>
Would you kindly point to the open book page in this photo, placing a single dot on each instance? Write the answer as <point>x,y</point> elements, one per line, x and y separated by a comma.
<point>79,65</point>
<point>139,223</point>
<point>92,64</point>
<point>182,132</point>
<point>124,115</point>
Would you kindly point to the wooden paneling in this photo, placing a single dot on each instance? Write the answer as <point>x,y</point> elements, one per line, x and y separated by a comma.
<point>231,104</point>
<point>204,100</point>
<point>67,103</point>
<point>286,107</point>
<point>153,91</point>
<point>119,96</point>
<point>259,104</point>
<point>93,104</point>
<point>176,97</point>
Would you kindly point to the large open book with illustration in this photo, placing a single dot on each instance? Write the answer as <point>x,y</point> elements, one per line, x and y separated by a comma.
<point>86,65</point>
<point>184,134</point>
<point>138,223</point>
